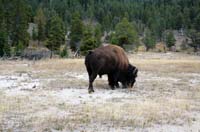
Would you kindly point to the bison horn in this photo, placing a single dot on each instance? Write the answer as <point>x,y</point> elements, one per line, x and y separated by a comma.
<point>135,71</point>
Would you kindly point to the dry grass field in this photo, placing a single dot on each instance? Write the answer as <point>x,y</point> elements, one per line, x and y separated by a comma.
<point>52,96</point>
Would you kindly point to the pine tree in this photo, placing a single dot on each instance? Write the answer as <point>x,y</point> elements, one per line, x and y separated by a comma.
<point>195,36</point>
<point>113,39</point>
<point>34,34</point>
<point>63,52</point>
<point>89,42</point>
<point>19,48</point>
<point>106,22</point>
<point>7,50</point>
<point>170,40</point>
<point>186,19</point>
<point>40,20</point>
<point>76,31</point>
<point>149,39</point>
<point>3,37</point>
<point>56,33</point>
<point>179,21</point>
<point>3,42</point>
<point>19,19</point>
<point>98,34</point>
<point>197,22</point>
<point>126,33</point>
<point>5,47</point>
<point>1,12</point>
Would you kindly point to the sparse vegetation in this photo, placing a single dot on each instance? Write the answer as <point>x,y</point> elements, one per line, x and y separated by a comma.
<point>52,95</point>
<point>63,52</point>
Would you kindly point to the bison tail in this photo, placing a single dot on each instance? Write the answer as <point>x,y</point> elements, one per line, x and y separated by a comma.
<point>88,56</point>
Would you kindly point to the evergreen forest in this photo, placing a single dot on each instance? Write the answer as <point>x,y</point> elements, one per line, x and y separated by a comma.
<point>81,24</point>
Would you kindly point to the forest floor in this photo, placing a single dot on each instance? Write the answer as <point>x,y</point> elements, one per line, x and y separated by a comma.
<point>52,95</point>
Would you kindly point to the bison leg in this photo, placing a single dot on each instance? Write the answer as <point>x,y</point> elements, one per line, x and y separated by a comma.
<point>124,85</point>
<point>91,80</point>
<point>115,77</point>
<point>111,81</point>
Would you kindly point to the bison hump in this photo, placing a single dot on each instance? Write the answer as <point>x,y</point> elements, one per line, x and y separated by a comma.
<point>90,52</point>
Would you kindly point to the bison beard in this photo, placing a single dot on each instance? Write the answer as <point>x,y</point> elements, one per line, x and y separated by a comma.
<point>110,60</point>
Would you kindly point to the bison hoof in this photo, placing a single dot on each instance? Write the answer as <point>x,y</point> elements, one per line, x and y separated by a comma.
<point>90,91</point>
<point>124,87</point>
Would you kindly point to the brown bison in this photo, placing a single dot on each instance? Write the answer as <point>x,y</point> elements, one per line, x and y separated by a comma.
<point>110,60</point>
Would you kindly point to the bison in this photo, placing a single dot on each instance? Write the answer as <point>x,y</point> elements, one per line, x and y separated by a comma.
<point>110,60</point>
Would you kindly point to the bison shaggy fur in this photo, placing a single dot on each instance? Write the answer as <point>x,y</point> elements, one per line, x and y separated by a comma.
<point>110,60</point>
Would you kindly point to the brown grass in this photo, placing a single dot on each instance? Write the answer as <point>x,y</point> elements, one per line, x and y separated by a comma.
<point>163,95</point>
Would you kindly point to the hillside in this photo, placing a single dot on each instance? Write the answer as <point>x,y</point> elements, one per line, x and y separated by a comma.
<point>87,20</point>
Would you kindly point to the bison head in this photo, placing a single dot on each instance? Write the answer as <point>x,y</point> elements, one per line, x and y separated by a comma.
<point>131,76</point>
